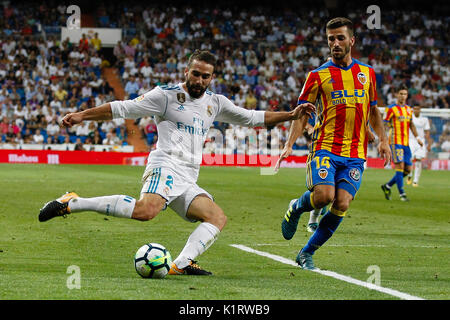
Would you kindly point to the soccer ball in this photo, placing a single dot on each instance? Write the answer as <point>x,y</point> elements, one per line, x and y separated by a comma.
<point>152,260</point>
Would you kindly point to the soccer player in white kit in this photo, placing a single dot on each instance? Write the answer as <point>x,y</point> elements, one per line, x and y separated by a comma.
<point>184,113</point>
<point>419,152</point>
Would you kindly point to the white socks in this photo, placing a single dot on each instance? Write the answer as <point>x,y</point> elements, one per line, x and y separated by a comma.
<point>122,206</point>
<point>117,206</point>
<point>198,242</point>
<point>314,216</point>
<point>417,171</point>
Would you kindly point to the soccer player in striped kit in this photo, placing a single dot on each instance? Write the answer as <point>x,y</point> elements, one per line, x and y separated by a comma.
<point>345,90</point>
<point>184,113</point>
<point>399,119</point>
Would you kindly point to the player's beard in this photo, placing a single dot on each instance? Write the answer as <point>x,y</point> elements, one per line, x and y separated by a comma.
<point>195,90</point>
<point>341,53</point>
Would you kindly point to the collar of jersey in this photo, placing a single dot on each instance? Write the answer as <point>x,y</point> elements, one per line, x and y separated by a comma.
<point>343,68</point>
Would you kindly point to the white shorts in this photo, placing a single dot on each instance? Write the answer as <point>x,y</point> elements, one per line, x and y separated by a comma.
<point>178,192</point>
<point>417,152</point>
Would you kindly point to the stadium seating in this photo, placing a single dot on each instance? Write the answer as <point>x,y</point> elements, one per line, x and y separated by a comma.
<point>265,51</point>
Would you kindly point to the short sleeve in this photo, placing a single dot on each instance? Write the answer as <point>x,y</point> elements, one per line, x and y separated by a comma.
<point>389,114</point>
<point>310,89</point>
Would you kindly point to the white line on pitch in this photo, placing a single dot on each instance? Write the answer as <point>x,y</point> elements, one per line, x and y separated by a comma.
<point>355,245</point>
<point>332,274</point>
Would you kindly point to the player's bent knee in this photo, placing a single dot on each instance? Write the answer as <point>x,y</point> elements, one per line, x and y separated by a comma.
<point>323,200</point>
<point>145,211</point>
<point>341,205</point>
<point>323,195</point>
<point>216,218</point>
<point>219,219</point>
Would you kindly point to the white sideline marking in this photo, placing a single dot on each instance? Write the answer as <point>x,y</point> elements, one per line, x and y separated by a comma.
<point>332,274</point>
<point>357,245</point>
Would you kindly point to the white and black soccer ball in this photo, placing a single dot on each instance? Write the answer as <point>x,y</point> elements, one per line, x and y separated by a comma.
<point>152,260</point>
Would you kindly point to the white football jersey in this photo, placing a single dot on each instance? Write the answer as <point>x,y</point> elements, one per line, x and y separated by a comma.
<point>183,123</point>
<point>422,124</point>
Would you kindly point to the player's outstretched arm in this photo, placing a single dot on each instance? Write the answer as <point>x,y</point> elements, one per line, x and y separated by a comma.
<point>271,118</point>
<point>296,129</point>
<point>102,112</point>
<point>377,124</point>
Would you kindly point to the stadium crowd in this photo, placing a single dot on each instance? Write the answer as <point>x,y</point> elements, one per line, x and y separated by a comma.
<point>43,78</point>
<point>263,55</point>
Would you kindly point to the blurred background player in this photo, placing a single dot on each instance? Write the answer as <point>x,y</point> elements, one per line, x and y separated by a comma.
<point>346,91</point>
<point>399,120</point>
<point>418,152</point>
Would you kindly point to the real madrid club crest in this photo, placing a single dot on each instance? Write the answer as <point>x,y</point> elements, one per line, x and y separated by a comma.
<point>181,97</point>
<point>140,98</point>
<point>362,78</point>
<point>209,111</point>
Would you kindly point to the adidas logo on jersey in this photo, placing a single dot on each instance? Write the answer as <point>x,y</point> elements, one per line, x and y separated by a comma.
<point>181,108</point>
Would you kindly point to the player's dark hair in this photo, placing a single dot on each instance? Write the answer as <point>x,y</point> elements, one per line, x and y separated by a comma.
<point>340,22</point>
<point>202,55</point>
<point>402,87</point>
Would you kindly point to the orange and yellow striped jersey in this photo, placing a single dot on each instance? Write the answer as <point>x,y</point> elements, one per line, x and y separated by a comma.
<point>399,119</point>
<point>345,96</point>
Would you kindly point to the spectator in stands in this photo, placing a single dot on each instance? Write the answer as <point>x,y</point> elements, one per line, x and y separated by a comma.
<point>112,139</point>
<point>118,51</point>
<point>18,140</point>
<point>27,136</point>
<point>10,135</point>
<point>239,99</point>
<point>263,103</point>
<point>132,88</point>
<point>79,145</point>
<point>38,137</point>
<point>83,44</point>
<point>251,102</point>
<point>50,140</point>
<point>106,126</point>
<point>83,130</point>
<point>92,128</point>
<point>53,129</point>
<point>96,42</point>
<point>86,90</point>
<point>96,139</point>
<point>4,126</point>
<point>60,94</point>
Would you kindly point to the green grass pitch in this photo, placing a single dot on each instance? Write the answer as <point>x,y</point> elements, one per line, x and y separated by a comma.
<point>409,242</point>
